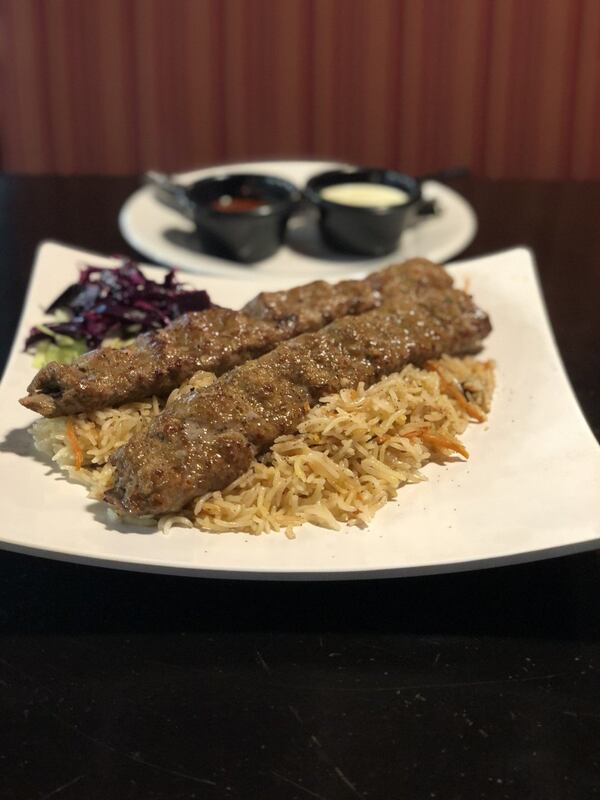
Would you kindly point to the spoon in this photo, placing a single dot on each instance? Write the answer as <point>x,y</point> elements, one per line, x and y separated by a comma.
<point>170,193</point>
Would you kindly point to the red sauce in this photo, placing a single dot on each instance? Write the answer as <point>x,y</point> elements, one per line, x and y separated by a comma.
<point>234,205</point>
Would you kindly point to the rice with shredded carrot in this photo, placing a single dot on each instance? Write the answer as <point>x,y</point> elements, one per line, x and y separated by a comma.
<point>348,458</point>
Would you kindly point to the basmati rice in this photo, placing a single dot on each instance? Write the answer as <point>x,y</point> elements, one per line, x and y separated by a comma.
<point>349,457</point>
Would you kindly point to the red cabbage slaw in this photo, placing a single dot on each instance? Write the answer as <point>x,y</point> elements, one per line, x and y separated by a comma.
<point>108,304</point>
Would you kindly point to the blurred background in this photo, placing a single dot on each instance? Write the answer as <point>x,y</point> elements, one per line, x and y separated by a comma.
<point>508,88</point>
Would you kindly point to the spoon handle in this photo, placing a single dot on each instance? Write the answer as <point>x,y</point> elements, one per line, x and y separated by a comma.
<point>170,193</point>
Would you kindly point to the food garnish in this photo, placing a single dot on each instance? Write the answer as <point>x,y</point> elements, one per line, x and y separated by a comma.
<point>109,307</point>
<point>72,437</point>
<point>455,393</point>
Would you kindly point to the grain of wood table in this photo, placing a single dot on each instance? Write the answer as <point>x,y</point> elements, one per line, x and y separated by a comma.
<point>474,685</point>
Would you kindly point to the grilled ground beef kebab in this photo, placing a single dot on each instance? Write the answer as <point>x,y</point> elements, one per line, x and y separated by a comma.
<point>209,437</point>
<point>216,340</point>
<point>311,307</point>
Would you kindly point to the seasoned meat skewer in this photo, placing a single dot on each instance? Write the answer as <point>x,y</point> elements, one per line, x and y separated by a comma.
<point>312,306</point>
<point>207,438</point>
<point>216,340</point>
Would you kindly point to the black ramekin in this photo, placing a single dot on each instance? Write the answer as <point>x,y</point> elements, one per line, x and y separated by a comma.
<point>245,236</point>
<point>364,230</point>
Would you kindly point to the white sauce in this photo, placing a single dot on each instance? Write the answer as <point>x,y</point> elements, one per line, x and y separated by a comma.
<point>367,195</point>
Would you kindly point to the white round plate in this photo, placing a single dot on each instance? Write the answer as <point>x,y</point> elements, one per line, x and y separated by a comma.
<point>165,236</point>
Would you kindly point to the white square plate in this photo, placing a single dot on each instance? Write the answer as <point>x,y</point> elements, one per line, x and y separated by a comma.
<point>530,489</point>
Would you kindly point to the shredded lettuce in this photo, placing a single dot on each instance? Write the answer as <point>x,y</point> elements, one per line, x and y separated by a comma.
<point>64,351</point>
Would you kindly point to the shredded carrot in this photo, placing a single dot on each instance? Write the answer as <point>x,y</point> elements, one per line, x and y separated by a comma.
<point>437,440</point>
<point>445,443</point>
<point>455,393</point>
<point>77,451</point>
<point>467,284</point>
<point>416,432</point>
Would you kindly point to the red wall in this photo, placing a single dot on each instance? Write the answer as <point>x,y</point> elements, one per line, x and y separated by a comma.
<point>510,88</point>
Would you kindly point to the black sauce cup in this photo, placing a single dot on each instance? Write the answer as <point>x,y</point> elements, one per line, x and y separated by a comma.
<point>245,235</point>
<point>364,230</point>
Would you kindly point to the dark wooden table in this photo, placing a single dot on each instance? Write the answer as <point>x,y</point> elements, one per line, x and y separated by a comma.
<point>476,685</point>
